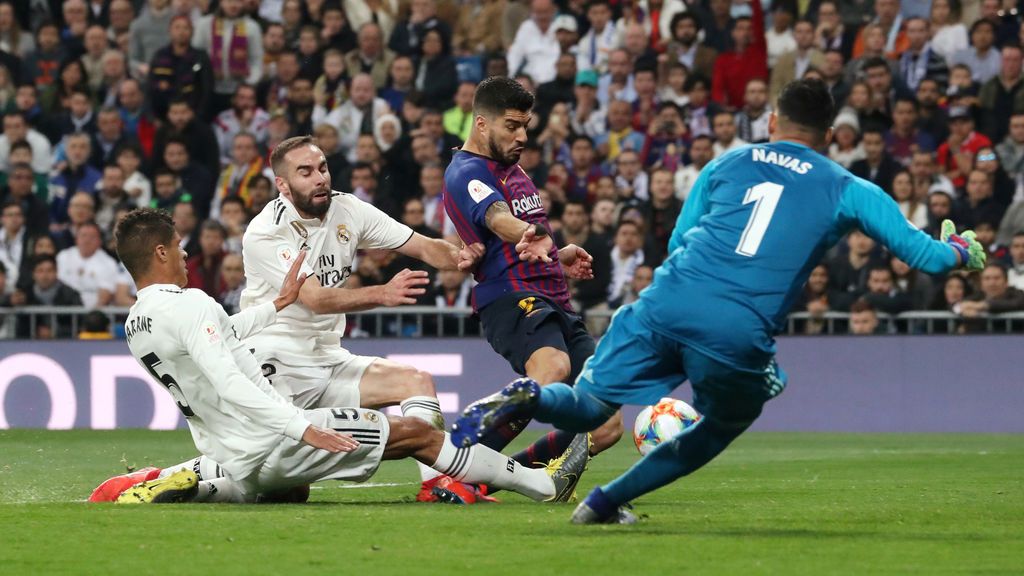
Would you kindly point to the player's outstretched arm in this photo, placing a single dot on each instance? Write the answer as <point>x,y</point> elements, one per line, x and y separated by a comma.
<point>442,254</point>
<point>499,219</point>
<point>402,289</point>
<point>200,332</point>
<point>866,206</point>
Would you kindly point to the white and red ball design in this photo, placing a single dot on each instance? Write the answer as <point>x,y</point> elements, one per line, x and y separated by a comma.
<point>661,422</point>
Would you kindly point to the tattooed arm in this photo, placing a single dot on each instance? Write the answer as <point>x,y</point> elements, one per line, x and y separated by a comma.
<point>532,240</point>
<point>500,220</point>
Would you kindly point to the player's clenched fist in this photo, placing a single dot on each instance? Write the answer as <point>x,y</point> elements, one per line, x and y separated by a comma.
<point>329,440</point>
<point>404,287</point>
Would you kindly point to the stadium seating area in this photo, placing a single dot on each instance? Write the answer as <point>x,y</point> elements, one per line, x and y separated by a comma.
<point>112,104</point>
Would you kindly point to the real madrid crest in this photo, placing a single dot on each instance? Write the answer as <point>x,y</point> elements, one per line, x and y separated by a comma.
<point>343,234</point>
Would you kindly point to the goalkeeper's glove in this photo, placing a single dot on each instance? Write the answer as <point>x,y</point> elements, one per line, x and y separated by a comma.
<point>972,253</point>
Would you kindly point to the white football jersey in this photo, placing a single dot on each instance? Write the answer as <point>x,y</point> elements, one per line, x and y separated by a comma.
<point>186,341</point>
<point>272,240</point>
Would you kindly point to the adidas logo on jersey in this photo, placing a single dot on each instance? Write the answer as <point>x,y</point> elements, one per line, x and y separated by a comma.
<point>772,157</point>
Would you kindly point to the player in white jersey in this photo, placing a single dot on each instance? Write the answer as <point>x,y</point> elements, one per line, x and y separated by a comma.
<point>301,352</point>
<point>262,441</point>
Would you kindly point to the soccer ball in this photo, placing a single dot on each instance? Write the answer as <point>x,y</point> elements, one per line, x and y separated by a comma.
<point>660,422</point>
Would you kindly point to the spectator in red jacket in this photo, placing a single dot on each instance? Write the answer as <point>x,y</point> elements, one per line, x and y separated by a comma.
<point>956,154</point>
<point>746,61</point>
<point>204,267</point>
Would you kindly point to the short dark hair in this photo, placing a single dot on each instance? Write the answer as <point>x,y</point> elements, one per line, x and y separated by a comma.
<point>906,100</point>
<point>982,22</point>
<point>232,200</point>
<point>214,226</point>
<point>809,104</point>
<point>95,321</point>
<point>998,265</point>
<point>129,147</point>
<point>873,129</point>
<point>19,145</point>
<point>861,305</point>
<point>282,150</point>
<point>881,268</point>
<point>497,94</point>
<point>581,137</point>
<point>17,114</point>
<point>138,234</point>
<point>176,140</point>
<point>91,224</point>
<point>633,223</point>
<point>696,78</point>
<point>163,171</point>
<point>875,62</point>
<point>684,16</point>
<point>40,258</point>
<point>576,202</point>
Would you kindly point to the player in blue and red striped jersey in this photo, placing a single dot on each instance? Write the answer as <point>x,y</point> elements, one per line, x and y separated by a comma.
<point>521,294</point>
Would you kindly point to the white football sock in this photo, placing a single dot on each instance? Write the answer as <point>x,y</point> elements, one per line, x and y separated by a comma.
<point>428,409</point>
<point>481,465</point>
<point>204,467</point>
<point>220,490</point>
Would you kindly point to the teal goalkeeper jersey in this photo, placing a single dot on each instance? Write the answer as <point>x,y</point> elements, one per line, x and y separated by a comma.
<point>757,221</point>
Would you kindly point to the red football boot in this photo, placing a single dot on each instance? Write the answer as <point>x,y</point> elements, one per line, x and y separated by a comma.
<point>451,491</point>
<point>426,493</point>
<point>111,488</point>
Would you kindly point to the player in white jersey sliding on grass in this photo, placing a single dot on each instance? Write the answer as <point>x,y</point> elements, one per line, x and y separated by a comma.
<point>301,353</point>
<point>262,441</point>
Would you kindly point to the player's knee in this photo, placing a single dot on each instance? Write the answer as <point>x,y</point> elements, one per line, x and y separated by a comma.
<point>547,366</point>
<point>421,384</point>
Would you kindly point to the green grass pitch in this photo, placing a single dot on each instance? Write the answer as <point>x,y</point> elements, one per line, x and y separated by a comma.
<point>771,504</point>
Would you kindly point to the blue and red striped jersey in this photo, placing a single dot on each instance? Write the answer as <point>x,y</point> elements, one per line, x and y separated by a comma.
<point>471,184</point>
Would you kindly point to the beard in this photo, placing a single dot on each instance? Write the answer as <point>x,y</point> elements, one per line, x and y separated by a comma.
<point>495,152</point>
<point>306,203</point>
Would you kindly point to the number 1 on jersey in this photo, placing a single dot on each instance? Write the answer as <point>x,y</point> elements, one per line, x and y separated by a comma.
<point>765,197</point>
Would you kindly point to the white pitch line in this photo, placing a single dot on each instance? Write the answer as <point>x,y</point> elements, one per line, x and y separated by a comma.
<point>366,485</point>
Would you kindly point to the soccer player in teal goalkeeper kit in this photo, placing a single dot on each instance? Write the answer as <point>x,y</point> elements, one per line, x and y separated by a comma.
<point>756,223</point>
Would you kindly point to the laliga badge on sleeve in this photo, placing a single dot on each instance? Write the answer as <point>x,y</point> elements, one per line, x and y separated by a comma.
<point>478,191</point>
<point>285,254</point>
<point>212,335</point>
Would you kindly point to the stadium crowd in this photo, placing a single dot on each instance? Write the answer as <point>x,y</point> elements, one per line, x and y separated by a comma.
<point>176,104</point>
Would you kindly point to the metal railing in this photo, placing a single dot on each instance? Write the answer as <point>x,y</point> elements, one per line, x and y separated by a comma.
<point>429,321</point>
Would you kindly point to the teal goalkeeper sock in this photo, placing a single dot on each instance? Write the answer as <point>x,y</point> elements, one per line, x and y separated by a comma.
<point>570,409</point>
<point>686,453</point>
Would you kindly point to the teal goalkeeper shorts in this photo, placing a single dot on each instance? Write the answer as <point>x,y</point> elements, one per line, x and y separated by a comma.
<point>635,365</point>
